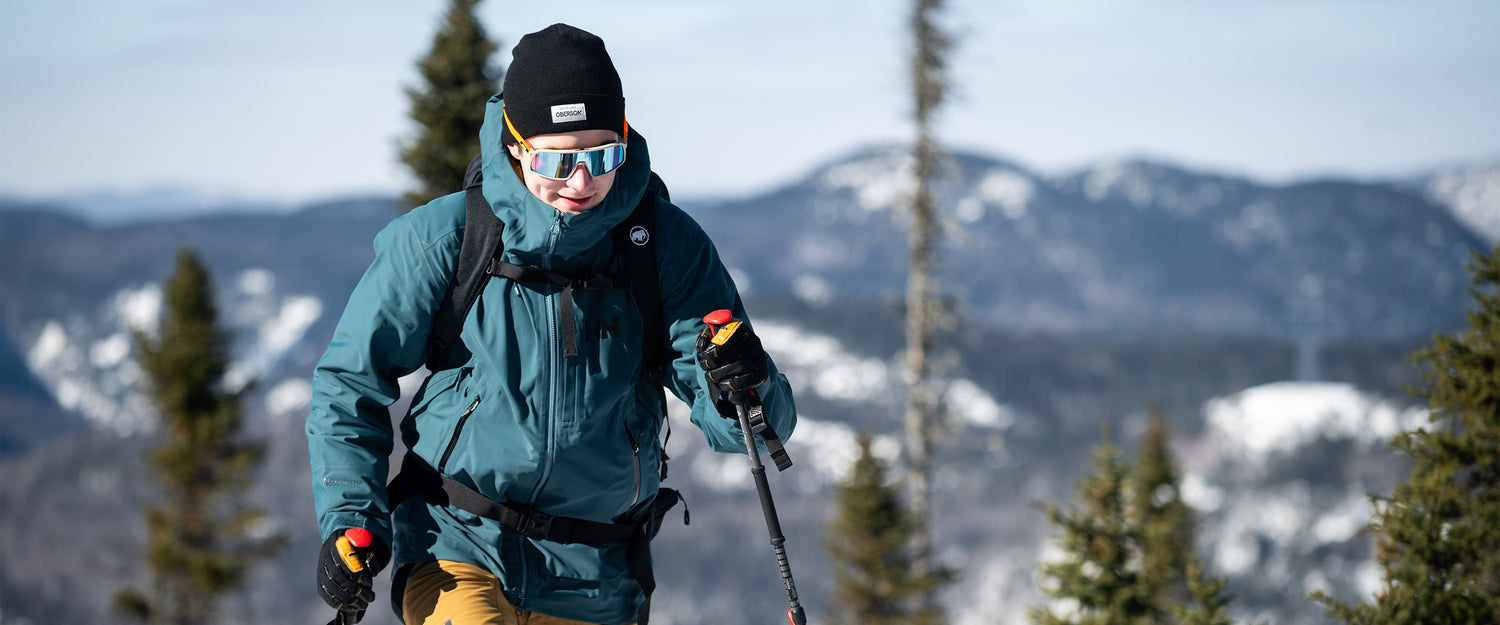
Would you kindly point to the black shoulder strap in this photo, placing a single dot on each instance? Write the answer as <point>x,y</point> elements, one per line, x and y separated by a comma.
<point>481,242</point>
<point>635,244</point>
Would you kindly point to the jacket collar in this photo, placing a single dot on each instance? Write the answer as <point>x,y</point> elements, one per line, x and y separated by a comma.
<point>541,234</point>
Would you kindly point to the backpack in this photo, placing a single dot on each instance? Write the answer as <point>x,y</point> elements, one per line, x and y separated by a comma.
<point>479,258</point>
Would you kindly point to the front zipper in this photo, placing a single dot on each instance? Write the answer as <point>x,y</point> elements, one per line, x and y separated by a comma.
<point>554,374</point>
<point>554,389</point>
<point>457,431</point>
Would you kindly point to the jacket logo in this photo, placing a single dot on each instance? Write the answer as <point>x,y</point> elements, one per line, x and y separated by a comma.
<point>569,113</point>
<point>639,236</point>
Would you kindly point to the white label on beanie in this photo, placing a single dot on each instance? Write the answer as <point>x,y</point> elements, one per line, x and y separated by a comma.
<point>569,113</point>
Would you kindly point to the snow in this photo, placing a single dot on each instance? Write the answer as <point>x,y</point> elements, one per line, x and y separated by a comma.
<point>74,379</point>
<point>723,473</point>
<point>1200,494</point>
<point>1369,577</point>
<point>1000,588</point>
<point>1293,519</point>
<point>1344,521</point>
<point>820,365</point>
<point>831,448</point>
<point>823,367</point>
<point>86,359</point>
<point>1277,528</point>
<point>822,452</point>
<point>49,347</point>
<point>111,351</point>
<point>289,397</point>
<point>1108,177</point>
<point>254,282</point>
<point>812,289</point>
<point>1261,420</point>
<point>970,403</point>
<point>1473,194</point>
<point>274,337</point>
<point>297,315</point>
<point>969,210</point>
<point>878,182</point>
<point>1009,190</point>
<point>139,308</point>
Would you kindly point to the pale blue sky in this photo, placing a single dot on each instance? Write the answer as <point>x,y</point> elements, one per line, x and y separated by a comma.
<point>299,100</point>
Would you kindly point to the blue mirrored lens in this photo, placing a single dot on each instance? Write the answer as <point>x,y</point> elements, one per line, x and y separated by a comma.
<point>559,164</point>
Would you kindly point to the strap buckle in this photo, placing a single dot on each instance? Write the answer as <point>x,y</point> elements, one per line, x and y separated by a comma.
<point>535,524</point>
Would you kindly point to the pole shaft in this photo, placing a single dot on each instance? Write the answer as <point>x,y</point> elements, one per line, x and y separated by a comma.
<point>773,523</point>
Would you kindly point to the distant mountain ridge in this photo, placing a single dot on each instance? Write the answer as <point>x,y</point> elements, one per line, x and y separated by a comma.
<point>1083,298</point>
<point>1127,247</point>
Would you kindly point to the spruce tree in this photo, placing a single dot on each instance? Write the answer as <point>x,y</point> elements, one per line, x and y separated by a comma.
<point>1100,574</point>
<point>869,540</point>
<point>200,542</point>
<point>1209,605</point>
<point>458,78</point>
<point>1165,521</point>
<point>1438,533</point>
<point>1128,547</point>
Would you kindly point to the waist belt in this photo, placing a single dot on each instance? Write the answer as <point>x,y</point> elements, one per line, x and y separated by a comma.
<point>419,479</point>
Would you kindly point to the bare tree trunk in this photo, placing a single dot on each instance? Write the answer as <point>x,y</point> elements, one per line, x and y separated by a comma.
<point>922,306</point>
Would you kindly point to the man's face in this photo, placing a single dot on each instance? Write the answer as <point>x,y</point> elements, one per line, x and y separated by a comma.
<point>580,191</point>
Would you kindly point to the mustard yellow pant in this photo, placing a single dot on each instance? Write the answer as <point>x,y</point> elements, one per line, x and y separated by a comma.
<point>457,593</point>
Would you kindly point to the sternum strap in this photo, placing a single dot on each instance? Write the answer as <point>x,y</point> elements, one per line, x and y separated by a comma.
<point>595,281</point>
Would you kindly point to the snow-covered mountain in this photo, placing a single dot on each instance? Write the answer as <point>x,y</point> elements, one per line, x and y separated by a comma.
<point>1472,192</point>
<point>1292,464</point>
<point>1085,298</point>
<point>1131,247</point>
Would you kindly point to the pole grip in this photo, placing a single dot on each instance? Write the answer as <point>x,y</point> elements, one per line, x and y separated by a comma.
<point>354,538</point>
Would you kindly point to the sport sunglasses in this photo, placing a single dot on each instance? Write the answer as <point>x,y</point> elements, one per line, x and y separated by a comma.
<point>559,164</point>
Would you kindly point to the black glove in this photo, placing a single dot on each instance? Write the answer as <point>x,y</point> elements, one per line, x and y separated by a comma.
<point>733,362</point>
<point>345,590</point>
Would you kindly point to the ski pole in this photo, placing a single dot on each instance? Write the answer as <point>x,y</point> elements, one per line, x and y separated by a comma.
<point>794,613</point>
<point>353,538</point>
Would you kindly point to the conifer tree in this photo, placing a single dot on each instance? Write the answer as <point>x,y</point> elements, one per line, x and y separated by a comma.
<point>458,78</point>
<point>1209,604</point>
<point>1128,547</point>
<point>1101,573</point>
<point>1165,521</point>
<point>1438,533</point>
<point>200,542</point>
<point>869,540</point>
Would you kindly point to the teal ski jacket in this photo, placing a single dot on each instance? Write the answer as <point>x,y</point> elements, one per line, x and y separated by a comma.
<point>518,421</point>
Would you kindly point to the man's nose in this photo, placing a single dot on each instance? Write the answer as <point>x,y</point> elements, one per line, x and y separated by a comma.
<point>580,177</point>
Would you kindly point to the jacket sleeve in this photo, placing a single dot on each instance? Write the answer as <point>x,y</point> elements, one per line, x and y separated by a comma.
<point>694,282</point>
<point>381,336</point>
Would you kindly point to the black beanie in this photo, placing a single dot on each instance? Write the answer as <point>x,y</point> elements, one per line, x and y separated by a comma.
<point>561,80</point>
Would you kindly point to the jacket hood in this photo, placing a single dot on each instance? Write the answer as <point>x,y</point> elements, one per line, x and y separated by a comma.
<point>536,232</point>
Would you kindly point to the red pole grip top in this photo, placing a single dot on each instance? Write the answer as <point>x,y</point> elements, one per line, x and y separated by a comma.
<point>718,317</point>
<point>359,537</point>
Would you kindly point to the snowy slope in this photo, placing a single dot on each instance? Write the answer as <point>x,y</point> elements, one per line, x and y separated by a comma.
<point>1281,479</point>
<point>1472,192</point>
<point>88,362</point>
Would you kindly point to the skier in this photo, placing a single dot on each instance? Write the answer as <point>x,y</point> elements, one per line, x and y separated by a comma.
<point>531,483</point>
